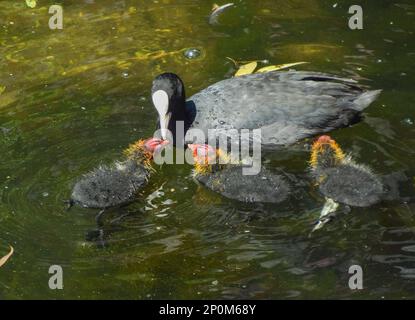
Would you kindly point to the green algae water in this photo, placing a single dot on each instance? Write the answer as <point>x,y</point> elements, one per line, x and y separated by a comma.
<point>73,99</point>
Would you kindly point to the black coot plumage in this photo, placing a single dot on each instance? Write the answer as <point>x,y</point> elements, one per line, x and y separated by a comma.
<point>340,178</point>
<point>213,170</point>
<point>286,106</point>
<point>343,181</point>
<point>117,184</point>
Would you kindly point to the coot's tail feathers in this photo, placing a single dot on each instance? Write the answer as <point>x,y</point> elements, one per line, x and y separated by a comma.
<point>365,99</point>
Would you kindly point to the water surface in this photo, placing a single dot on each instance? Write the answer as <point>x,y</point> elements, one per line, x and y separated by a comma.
<point>75,98</point>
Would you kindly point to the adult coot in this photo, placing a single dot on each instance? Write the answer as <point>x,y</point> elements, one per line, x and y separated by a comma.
<point>286,106</point>
<point>213,170</point>
<point>117,184</point>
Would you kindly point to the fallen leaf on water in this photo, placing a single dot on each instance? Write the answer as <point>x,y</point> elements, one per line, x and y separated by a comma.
<point>2,88</point>
<point>246,69</point>
<point>279,67</point>
<point>238,63</point>
<point>6,257</point>
<point>31,3</point>
<point>216,11</point>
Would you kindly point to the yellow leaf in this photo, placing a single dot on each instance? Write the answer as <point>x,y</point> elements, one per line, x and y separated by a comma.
<point>246,69</point>
<point>6,257</point>
<point>2,88</point>
<point>216,11</point>
<point>31,3</point>
<point>279,67</point>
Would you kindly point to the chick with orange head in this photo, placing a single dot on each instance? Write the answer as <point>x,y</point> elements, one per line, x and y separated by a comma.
<point>119,183</point>
<point>340,178</point>
<point>214,169</point>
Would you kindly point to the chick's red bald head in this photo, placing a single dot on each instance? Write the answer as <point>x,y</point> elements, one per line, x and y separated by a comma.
<point>203,153</point>
<point>154,144</point>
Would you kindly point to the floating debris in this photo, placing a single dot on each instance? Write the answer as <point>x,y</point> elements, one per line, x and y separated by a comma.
<point>216,11</point>
<point>192,53</point>
<point>280,67</point>
<point>6,257</point>
<point>246,69</point>
<point>249,67</point>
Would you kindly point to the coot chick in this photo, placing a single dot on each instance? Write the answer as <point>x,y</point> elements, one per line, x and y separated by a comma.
<point>117,184</point>
<point>212,168</point>
<point>286,105</point>
<point>341,180</point>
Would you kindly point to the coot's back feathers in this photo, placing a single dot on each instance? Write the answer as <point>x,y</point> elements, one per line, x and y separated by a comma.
<point>287,106</point>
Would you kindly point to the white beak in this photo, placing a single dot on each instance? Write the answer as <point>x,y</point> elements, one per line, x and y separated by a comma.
<point>161,102</point>
<point>164,124</point>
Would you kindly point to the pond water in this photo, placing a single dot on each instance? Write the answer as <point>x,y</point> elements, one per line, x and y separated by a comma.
<point>72,99</point>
